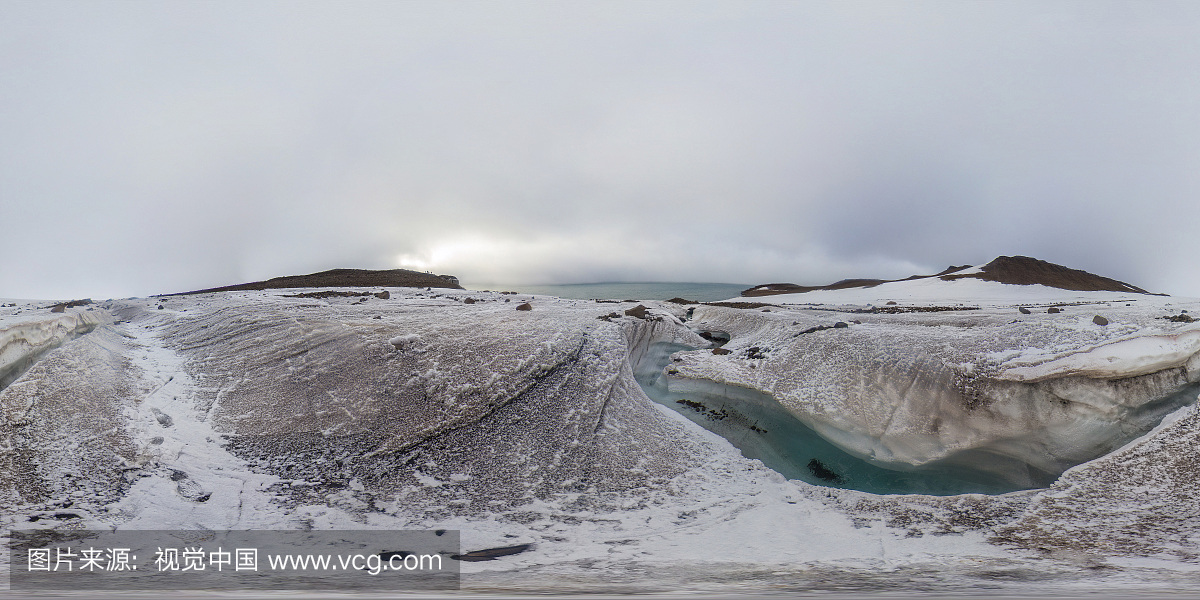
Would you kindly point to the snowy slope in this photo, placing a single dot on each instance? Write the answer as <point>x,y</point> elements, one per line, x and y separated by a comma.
<point>967,291</point>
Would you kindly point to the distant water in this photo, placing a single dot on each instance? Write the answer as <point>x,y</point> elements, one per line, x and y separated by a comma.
<point>701,292</point>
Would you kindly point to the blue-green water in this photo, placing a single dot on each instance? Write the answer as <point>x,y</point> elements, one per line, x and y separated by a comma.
<point>763,429</point>
<point>700,292</point>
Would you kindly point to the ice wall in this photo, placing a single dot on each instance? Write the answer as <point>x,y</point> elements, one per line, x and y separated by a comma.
<point>906,391</point>
<point>63,440</point>
<point>25,339</point>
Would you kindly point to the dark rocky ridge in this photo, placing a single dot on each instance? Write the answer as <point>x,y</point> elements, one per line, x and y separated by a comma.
<point>1023,270</point>
<point>1014,270</point>
<point>343,278</point>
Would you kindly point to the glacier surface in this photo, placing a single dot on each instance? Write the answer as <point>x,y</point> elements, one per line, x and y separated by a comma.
<point>256,410</point>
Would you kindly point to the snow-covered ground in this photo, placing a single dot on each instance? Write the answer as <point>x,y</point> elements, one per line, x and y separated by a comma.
<point>933,291</point>
<point>453,409</point>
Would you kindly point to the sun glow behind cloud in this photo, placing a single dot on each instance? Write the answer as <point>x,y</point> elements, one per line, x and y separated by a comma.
<point>501,259</point>
<point>446,255</point>
<point>624,256</point>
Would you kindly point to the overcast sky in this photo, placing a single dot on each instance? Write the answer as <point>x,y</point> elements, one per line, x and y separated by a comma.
<point>163,146</point>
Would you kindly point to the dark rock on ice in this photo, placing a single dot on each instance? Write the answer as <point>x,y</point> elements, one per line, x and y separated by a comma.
<point>491,553</point>
<point>1180,318</point>
<point>638,311</point>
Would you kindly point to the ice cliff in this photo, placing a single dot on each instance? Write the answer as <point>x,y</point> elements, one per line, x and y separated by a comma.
<point>1026,398</point>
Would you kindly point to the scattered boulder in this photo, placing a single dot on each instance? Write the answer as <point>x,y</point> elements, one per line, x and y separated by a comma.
<point>720,351</point>
<point>1099,320</point>
<point>638,311</point>
<point>1053,310</point>
<point>838,325</point>
<point>1182,317</point>
<point>678,300</point>
<point>526,306</point>
<point>891,302</point>
<point>1023,310</point>
<point>469,301</point>
<point>384,295</point>
<point>62,306</point>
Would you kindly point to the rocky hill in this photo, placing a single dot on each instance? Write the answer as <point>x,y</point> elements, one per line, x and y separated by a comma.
<point>344,278</point>
<point>1015,270</point>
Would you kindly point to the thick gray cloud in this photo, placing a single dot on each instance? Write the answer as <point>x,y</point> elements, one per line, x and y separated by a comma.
<point>158,147</point>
